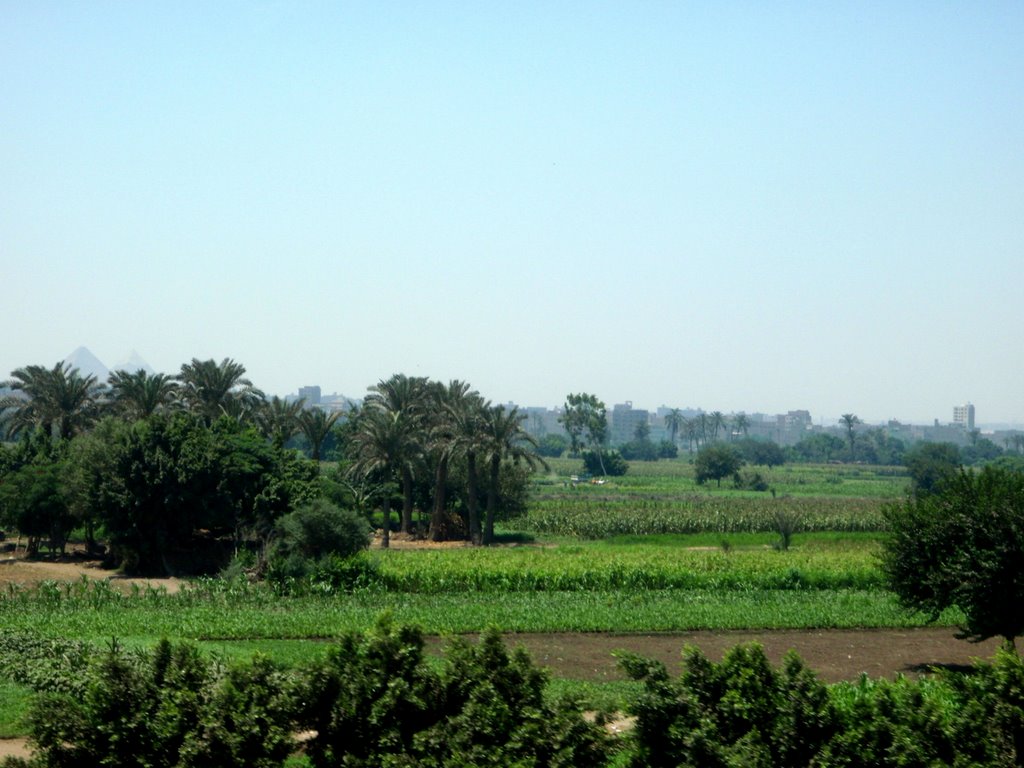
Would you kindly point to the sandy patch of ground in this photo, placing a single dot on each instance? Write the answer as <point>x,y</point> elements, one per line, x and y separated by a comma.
<point>14,569</point>
<point>14,748</point>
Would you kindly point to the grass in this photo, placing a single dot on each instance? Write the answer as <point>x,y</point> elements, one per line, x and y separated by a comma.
<point>261,617</point>
<point>676,476</point>
<point>14,705</point>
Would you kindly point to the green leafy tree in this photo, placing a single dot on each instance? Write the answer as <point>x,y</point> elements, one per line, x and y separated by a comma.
<point>741,424</point>
<point>850,422</point>
<point>34,501</point>
<point>552,446</point>
<point>504,439</point>
<point>932,465</point>
<point>674,421</point>
<point>716,461</point>
<point>406,396</point>
<point>315,424</point>
<point>585,419</point>
<point>446,443</point>
<point>58,400</point>
<point>962,546</point>
<point>816,448</point>
<point>213,389</point>
<point>605,462</point>
<point>172,476</point>
<point>140,394</point>
<point>760,452</point>
<point>379,443</point>
<point>716,422</point>
<point>278,420</point>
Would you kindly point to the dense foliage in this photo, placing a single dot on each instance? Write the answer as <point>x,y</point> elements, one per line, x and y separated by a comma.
<point>744,712</point>
<point>963,546</point>
<point>715,462</point>
<point>374,699</point>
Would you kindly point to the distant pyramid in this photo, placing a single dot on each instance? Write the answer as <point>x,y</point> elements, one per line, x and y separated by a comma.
<point>87,364</point>
<point>134,363</point>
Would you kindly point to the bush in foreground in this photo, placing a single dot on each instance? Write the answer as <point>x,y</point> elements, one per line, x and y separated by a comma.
<point>963,546</point>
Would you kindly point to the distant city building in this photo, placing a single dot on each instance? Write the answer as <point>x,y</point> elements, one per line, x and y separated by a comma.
<point>624,421</point>
<point>310,394</point>
<point>541,421</point>
<point>963,416</point>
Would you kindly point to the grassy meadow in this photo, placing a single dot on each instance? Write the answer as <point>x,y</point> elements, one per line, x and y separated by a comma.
<point>650,551</point>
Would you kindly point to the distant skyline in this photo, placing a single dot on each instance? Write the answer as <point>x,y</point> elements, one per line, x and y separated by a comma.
<point>87,362</point>
<point>726,206</point>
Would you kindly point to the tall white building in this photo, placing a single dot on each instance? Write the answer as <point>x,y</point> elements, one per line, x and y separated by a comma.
<point>963,416</point>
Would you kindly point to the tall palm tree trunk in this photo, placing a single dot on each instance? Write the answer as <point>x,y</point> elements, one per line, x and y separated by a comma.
<point>406,500</point>
<point>385,537</point>
<point>437,519</point>
<point>471,502</point>
<point>492,500</point>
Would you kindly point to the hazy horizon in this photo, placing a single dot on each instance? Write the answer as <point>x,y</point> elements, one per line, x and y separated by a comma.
<point>730,207</point>
<point>327,391</point>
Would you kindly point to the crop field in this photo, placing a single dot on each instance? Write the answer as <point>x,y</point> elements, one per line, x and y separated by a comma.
<point>662,497</point>
<point>648,552</point>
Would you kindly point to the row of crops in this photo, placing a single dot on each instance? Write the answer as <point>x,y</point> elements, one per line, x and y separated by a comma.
<point>596,517</point>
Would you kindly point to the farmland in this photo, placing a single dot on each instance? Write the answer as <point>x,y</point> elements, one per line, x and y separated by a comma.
<point>713,564</point>
<point>646,553</point>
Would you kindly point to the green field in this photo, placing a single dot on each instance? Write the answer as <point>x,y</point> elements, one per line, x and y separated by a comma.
<point>651,551</point>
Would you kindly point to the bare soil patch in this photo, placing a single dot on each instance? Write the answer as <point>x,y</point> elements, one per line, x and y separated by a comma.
<point>14,748</point>
<point>834,654</point>
<point>29,573</point>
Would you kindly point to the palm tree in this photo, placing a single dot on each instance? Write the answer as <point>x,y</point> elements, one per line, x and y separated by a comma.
<point>468,418</point>
<point>674,421</point>
<point>214,389</point>
<point>444,442</point>
<point>139,395</point>
<point>405,395</point>
<point>504,439</point>
<point>316,424</point>
<point>692,427</point>
<point>741,423</point>
<point>58,400</point>
<point>278,420</point>
<point>850,421</point>
<point>717,422</point>
<point>379,441</point>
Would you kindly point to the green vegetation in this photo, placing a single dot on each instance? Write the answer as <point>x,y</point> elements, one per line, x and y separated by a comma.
<point>963,546</point>
<point>183,472</point>
<point>374,698</point>
<point>742,711</point>
<point>15,701</point>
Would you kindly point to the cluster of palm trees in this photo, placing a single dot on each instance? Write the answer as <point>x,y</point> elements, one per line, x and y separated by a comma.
<point>411,426</point>
<point>704,427</point>
<point>408,428</point>
<point>62,402</point>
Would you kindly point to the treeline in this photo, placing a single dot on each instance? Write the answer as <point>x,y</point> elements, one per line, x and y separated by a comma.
<point>157,466</point>
<point>374,699</point>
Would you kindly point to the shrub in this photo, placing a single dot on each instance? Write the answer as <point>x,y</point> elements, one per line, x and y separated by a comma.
<point>608,463</point>
<point>738,712</point>
<point>167,708</point>
<point>374,700</point>
<point>962,546</point>
<point>716,461</point>
<point>320,528</point>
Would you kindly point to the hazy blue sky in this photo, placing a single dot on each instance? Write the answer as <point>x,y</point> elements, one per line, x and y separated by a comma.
<point>734,206</point>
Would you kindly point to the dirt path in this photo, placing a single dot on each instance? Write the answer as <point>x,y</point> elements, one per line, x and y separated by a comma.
<point>833,654</point>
